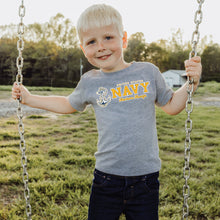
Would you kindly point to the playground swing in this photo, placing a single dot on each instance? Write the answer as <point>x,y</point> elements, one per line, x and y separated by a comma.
<point>188,122</point>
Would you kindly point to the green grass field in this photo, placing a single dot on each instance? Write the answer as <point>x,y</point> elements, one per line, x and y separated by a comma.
<point>60,151</point>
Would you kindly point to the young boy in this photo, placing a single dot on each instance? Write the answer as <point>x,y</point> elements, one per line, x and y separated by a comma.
<point>123,96</point>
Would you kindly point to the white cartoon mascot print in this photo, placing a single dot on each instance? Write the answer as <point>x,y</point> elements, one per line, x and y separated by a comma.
<point>103,99</point>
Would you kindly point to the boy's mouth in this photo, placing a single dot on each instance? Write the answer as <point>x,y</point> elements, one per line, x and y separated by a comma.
<point>104,57</point>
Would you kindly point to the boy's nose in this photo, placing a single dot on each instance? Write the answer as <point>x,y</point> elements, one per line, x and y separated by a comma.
<point>101,46</point>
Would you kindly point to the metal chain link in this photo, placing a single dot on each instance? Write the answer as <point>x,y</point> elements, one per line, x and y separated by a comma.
<point>189,109</point>
<point>19,80</point>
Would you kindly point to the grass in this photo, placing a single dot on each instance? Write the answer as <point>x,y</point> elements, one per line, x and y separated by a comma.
<point>208,88</point>
<point>60,151</point>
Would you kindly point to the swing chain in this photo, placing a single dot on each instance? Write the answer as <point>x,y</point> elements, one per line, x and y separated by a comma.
<point>196,34</point>
<point>189,109</point>
<point>19,80</point>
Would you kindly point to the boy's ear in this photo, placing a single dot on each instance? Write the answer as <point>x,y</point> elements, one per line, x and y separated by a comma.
<point>125,40</point>
<point>82,48</point>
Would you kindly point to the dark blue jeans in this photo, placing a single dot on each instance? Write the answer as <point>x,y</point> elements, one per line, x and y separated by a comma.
<point>137,197</point>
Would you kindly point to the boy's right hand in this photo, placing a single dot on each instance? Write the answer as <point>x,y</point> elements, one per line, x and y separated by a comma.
<point>19,91</point>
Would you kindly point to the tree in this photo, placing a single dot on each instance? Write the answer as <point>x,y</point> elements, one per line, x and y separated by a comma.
<point>58,30</point>
<point>211,63</point>
<point>157,55</point>
<point>8,56</point>
<point>136,49</point>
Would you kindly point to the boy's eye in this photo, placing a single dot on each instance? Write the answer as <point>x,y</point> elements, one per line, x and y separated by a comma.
<point>91,42</point>
<point>108,37</point>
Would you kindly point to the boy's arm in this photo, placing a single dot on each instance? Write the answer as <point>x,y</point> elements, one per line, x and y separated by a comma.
<point>57,104</point>
<point>178,101</point>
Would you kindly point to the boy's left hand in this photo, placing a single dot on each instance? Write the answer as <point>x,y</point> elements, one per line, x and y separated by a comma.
<point>193,68</point>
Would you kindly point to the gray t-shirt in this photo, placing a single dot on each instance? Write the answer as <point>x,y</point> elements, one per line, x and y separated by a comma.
<point>124,104</point>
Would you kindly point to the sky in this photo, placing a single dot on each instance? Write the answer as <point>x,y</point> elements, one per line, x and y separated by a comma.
<point>157,19</point>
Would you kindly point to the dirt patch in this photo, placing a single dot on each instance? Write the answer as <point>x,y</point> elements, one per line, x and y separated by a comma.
<point>8,195</point>
<point>8,107</point>
<point>208,101</point>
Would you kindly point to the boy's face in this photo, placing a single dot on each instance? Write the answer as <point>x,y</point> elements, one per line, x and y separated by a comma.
<point>103,47</point>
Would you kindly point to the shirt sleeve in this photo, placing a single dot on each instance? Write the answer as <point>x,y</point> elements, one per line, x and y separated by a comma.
<point>77,98</point>
<point>163,92</point>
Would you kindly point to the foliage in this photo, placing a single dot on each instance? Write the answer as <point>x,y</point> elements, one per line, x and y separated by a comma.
<point>210,88</point>
<point>136,49</point>
<point>51,54</point>
<point>7,60</point>
<point>58,30</point>
<point>211,63</point>
<point>163,53</point>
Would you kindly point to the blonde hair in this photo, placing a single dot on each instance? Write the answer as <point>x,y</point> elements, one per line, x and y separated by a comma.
<point>99,15</point>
